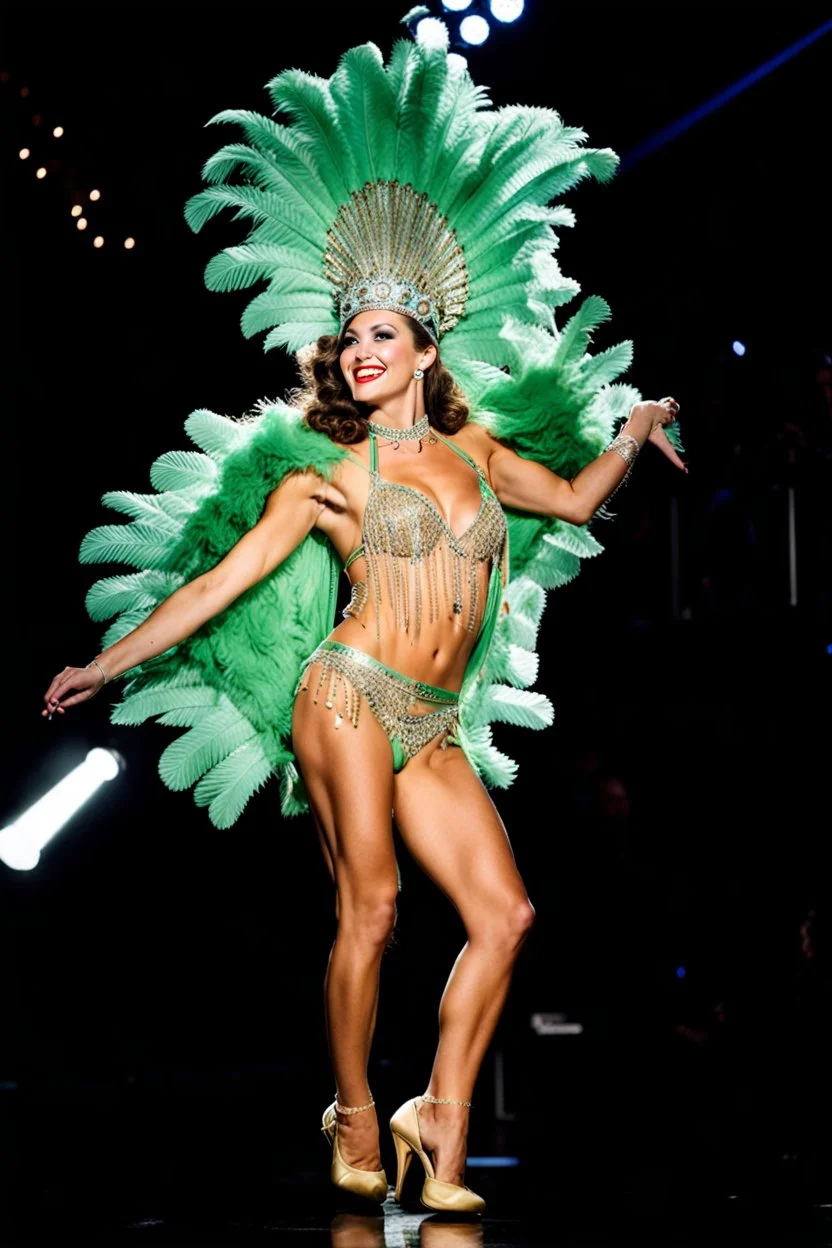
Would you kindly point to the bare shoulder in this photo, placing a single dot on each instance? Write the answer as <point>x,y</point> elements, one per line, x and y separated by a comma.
<point>477,441</point>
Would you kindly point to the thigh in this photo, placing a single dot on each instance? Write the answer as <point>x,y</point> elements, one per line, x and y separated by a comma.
<point>451,827</point>
<point>348,776</point>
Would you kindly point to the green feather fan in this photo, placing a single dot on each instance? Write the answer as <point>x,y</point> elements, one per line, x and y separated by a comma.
<point>231,683</point>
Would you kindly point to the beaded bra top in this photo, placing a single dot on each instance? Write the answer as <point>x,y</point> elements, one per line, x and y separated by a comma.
<point>414,554</point>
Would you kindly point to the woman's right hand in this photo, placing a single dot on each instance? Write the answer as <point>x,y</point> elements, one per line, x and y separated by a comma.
<point>72,685</point>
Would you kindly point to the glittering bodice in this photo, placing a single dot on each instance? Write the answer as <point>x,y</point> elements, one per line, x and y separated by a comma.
<point>413,555</point>
<point>402,521</point>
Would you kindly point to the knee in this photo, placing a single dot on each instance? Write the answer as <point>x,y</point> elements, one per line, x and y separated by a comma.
<point>508,927</point>
<point>369,918</point>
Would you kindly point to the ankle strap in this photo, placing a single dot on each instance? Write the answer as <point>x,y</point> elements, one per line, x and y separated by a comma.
<point>442,1100</point>
<point>353,1109</point>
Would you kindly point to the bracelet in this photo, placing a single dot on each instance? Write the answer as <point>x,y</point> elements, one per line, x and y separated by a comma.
<point>95,663</point>
<point>628,448</point>
<point>353,1109</point>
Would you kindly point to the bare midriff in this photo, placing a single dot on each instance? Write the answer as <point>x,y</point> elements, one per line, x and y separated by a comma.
<point>438,656</point>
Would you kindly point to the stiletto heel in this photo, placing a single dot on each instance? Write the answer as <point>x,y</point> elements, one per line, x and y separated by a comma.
<point>370,1184</point>
<point>407,1138</point>
<point>404,1156</point>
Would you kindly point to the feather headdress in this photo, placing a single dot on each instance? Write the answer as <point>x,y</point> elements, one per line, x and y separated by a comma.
<point>395,186</point>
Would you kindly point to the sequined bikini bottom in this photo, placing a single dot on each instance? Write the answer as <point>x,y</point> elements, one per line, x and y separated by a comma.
<point>348,675</point>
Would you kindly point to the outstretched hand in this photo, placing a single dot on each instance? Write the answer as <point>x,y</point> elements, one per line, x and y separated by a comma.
<point>72,685</point>
<point>660,414</point>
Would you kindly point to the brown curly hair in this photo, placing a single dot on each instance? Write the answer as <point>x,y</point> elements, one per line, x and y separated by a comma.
<point>329,407</point>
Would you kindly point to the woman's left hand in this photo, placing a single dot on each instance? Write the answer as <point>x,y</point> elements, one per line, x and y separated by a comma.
<point>658,436</point>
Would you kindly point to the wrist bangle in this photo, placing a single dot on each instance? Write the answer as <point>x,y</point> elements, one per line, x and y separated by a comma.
<point>628,448</point>
<point>95,663</point>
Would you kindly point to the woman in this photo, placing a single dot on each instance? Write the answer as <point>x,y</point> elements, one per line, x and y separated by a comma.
<point>389,377</point>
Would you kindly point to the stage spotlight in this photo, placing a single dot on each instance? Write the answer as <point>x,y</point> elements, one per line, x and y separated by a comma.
<point>94,195</point>
<point>432,32</point>
<point>738,347</point>
<point>457,62</point>
<point>22,841</point>
<point>507,10</point>
<point>81,223</point>
<point>474,29</point>
<point>41,173</point>
<point>129,243</point>
<point>456,6</point>
<point>98,241</point>
<point>24,153</point>
<point>76,210</point>
<point>57,133</point>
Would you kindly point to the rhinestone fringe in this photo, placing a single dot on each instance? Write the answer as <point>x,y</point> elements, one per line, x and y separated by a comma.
<point>347,677</point>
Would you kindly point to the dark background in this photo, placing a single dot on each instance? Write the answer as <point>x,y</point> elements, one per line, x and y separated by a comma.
<point>160,1018</point>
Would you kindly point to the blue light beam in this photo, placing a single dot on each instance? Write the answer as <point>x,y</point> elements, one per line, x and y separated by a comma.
<point>716,101</point>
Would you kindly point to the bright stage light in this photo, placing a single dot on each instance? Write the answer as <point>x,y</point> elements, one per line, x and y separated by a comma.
<point>738,347</point>
<point>457,62</point>
<point>431,32</point>
<point>456,6</point>
<point>129,243</point>
<point>507,10</point>
<point>81,223</point>
<point>22,841</point>
<point>94,195</point>
<point>98,241</point>
<point>24,153</point>
<point>76,210</point>
<point>41,173</point>
<point>474,29</point>
<point>58,132</point>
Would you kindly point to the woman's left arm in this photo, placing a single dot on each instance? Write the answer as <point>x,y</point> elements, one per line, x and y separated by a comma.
<point>526,485</point>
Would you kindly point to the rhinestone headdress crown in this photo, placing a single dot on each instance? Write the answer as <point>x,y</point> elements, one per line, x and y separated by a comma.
<point>389,247</point>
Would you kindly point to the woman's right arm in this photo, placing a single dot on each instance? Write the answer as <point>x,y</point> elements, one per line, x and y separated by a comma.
<point>291,512</point>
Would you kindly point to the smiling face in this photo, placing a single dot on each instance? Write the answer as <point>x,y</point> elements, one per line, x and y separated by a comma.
<point>379,356</point>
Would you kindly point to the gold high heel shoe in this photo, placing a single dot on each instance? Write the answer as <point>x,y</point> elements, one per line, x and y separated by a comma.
<point>371,1184</point>
<point>406,1136</point>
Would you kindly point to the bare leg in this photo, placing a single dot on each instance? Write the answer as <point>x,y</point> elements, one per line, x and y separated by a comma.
<point>330,863</point>
<point>451,827</point>
<point>348,776</point>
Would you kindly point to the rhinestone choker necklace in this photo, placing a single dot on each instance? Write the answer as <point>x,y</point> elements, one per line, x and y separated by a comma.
<point>414,434</point>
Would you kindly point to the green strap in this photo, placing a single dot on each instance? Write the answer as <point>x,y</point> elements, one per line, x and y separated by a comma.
<point>462,454</point>
<point>359,550</point>
<point>489,623</point>
<point>358,461</point>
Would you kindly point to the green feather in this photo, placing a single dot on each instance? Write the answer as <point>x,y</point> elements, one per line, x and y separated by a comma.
<point>137,591</point>
<point>239,267</point>
<point>227,787</point>
<point>218,732</point>
<point>182,470</point>
<point>506,705</point>
<point>161,699</point>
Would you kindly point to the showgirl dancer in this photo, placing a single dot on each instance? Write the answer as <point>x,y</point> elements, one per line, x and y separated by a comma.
<point>394,214</point>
